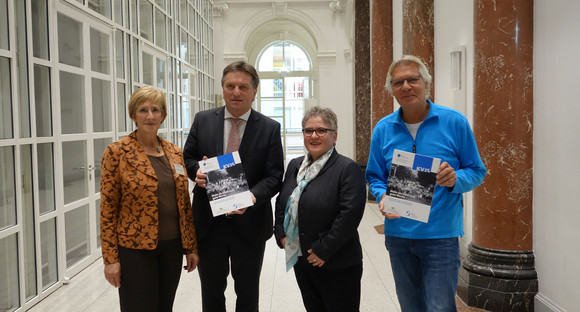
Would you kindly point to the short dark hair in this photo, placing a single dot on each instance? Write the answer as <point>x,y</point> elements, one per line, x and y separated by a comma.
<point>242,66</point>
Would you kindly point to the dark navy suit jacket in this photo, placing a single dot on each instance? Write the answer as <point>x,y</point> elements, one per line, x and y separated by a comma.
<point>263,161</point>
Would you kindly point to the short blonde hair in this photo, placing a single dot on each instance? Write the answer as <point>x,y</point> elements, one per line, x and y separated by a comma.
<point>143,95</point>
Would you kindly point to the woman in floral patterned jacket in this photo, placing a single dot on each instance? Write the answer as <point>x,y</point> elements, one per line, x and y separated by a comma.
<point>146,217</point>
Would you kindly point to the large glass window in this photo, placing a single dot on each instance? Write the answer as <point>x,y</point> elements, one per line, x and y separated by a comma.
<point>42,100</point>
<point>99,148</point>
<point>160,73</point>
<point>74,166</point>
<point>48,253</point>
<point>9,283</point>
<point>102,7</point>
<point>160,29</point>
<point>26,193</point>
<point>146,19</point>
<point>94,57</point>
<point>135,56</point>
<point>284,88</point>
<point>72,103</point>
<point>102,106</point>
<point>121,108</point>
<point>284,56</point>
<point>4,39</point>
<point>5,99</point>
<point>22,69</point>
<point>45,177</point>
<point>120,53</point>
<point>39,29</point>
<point>118,11</point>
<point>7,191</point>
<point>133,15</point>
<point>70,41</point>
<point>99,51</point>
<point>77,235</point>
<point>148,69</point>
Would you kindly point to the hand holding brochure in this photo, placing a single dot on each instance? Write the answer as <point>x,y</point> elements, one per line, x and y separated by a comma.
<point>411,185</point>
<point>227,187</point>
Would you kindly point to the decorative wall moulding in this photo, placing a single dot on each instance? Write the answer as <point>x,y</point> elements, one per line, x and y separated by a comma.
<point>219,9</point>
<point>336,6</point>
<point>234,56</point>
<point>326,57</point>
<point>348,54</point>
<point>279,8</point>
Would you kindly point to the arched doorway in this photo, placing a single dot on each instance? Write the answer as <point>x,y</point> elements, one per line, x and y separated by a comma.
<point>285,84</point>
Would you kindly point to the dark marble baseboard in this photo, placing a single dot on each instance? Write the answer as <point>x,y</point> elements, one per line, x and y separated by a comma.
<point>498,280</point>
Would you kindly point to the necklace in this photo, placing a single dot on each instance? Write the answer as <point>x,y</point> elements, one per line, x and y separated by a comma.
<point>156,148</point>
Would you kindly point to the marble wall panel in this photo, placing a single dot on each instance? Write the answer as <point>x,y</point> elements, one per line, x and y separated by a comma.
<point>418,33</point>
<point>503,119</point>
<point>381,57</point>
<point>362,80</point>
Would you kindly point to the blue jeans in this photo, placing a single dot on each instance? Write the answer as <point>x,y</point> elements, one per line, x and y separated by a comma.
<point>425,272</point>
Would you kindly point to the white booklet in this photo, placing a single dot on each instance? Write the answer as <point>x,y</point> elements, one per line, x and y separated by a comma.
<point>227,187</point>
<point>411,185</point>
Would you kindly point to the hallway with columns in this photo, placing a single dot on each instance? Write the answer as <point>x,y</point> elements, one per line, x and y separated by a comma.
<point>89,291</point>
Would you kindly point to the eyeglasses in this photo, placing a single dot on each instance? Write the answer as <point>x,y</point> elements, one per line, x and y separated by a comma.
<point>413,80</point>
<point>319,131</point>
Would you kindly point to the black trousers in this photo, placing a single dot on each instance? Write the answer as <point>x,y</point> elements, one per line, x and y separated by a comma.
<point>328,290</point>
<point>149,278</point>
<point>220,248</point>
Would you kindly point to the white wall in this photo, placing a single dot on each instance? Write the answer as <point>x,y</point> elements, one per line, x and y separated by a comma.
<point>454,30</point>
<point>235,33</point>
<point>557,153</point>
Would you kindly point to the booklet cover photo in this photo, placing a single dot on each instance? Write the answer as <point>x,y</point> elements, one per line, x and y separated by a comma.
<point>411,185</point>
<point>227,187</point>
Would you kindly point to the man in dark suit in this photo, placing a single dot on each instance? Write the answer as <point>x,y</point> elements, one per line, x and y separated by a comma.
<point>239,237</point>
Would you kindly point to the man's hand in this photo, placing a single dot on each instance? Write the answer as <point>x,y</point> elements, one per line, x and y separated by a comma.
<point>192,261</point>
<point>446,175</point>
<point>242,210</point>
<point>382,209</point>
<point>201,178</point>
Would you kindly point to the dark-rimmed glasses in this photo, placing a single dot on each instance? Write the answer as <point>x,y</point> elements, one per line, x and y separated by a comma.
<point>413,80</point>
<point>319,131</point>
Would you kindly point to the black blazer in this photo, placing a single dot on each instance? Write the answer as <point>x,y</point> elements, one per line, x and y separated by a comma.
<point>263,161</point>
<point>329,211</point>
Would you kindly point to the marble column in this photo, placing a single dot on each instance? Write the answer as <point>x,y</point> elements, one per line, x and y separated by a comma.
<point>498,272</point>
<point>362,80</point>
<point>381,57</point>
<point>418,33</point>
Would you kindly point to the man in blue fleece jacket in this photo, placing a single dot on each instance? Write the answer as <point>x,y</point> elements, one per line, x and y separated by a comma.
<point>424,256</point>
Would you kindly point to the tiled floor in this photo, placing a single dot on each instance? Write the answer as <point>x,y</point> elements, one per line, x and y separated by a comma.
<point>88,291</point>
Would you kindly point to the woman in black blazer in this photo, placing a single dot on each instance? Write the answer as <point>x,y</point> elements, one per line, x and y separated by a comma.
<point>317,214</point>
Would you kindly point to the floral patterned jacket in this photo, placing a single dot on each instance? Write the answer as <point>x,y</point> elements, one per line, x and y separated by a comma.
<point>129,215</point>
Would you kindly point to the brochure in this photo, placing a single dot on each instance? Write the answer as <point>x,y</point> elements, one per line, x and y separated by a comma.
<point>411,185</point>
<point>227,187</point>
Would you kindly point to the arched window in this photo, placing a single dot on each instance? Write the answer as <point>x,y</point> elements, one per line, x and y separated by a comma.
<point>285,84</point>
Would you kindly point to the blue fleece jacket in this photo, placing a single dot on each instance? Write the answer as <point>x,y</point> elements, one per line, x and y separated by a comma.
<point>445,134</point>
